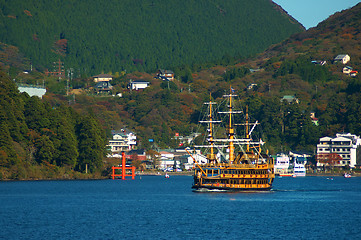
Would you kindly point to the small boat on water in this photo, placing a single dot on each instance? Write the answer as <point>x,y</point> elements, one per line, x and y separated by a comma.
<point>286,174</point>
<point>282,165</point>
<point>166,175</point>
<point>244,166</point>
<point>347,175</point>
<point>299,169</point>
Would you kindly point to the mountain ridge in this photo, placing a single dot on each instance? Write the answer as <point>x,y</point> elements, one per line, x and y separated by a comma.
<point>141,35</point>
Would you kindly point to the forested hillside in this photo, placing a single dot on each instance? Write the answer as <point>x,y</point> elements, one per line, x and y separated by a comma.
<point>144,35</point>
<point>33,128</point>
<point>38,141</point>
<point>286,68</point>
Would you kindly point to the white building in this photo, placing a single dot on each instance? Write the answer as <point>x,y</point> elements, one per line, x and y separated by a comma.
<point>122,141</point>
<point>342,58</point>
<point>136,85</point>
<point>187,139</point>
<point>342,149</point>
<point>199,158</point>
<point>166,161</point>
<point>103,78</point>
<point>32,90</point>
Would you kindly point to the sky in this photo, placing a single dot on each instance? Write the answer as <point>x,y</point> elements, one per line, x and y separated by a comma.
<point>311,12</point>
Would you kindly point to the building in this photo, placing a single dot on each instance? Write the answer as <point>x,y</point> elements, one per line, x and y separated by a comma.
<point>165,75</point>
<point>347,70</point>
<point>187,139</point>
<point>342,58</point>
<point>353,73</point>
<point>198,157</point>
<point>314,119</point>
<point>103,78</point>
<point>137,85</point>
<point>32,90</point>
<point>289,99</point>
<point>319,62</point>
<point>339,151</point>
<point>103,87</point>
<point>185,160</point>
<point>136,154</point>
<point>122,141</point>
<point>252,86</point>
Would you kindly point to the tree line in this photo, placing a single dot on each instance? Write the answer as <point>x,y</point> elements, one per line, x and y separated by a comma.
<point>34,133</point>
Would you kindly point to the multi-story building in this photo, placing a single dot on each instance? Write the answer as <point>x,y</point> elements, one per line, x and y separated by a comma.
<point>338,151</point>
<point>122,141</point>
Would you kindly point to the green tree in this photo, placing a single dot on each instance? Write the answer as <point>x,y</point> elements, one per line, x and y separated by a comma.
<point>45,150</point>
<point>68,148</point>
<point>36,115</point>
<point>92,144</point>
<point>8,155</point>
<point>63,121</point>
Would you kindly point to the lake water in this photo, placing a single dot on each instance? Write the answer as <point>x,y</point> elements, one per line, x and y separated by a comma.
<point>153,207</point>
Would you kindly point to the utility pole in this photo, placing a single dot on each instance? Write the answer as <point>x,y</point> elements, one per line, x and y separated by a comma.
<point>70,76</point>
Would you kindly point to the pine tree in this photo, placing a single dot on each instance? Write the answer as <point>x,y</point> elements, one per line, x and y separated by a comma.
<point>8,155</point>
<point>45,150</point>
<point>91,144</point>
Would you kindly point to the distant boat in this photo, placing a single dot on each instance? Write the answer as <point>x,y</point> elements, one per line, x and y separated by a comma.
<point>282,165</point>
<point>286,174</point>
<point>166,175</point>
<point>347,175</point>
<point>299,170</point>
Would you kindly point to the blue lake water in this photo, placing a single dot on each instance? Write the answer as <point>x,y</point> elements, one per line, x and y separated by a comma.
<point>152,207</point>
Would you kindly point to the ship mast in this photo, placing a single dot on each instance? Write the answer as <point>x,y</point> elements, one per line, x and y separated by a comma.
<point>211,156</point>
<point>230,126</point>
<point>247,131</point>
<point>230,130</point>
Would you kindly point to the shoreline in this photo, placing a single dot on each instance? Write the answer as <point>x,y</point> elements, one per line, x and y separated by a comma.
<point>161,173</point>
<point>190,173</point>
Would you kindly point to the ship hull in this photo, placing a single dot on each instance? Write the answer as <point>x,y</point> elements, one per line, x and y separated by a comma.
<point>228,189</point>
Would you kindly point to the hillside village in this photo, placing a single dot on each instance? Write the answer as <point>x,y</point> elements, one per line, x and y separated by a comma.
<point>303,90</point>
<point>178,159</point>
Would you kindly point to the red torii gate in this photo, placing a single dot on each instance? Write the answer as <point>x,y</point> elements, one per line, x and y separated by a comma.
<point>123,168</point>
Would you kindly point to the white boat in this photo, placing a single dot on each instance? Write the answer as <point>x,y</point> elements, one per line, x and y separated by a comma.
<point>347,175</point>
<point>299,170</point>
<point>282,165</point>
<point>166,175</point>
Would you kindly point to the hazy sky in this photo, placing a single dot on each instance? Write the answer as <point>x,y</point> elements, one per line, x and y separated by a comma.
<point>311,12</point>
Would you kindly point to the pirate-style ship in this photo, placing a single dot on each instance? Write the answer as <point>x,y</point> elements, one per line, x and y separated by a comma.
<point>249,169</point>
